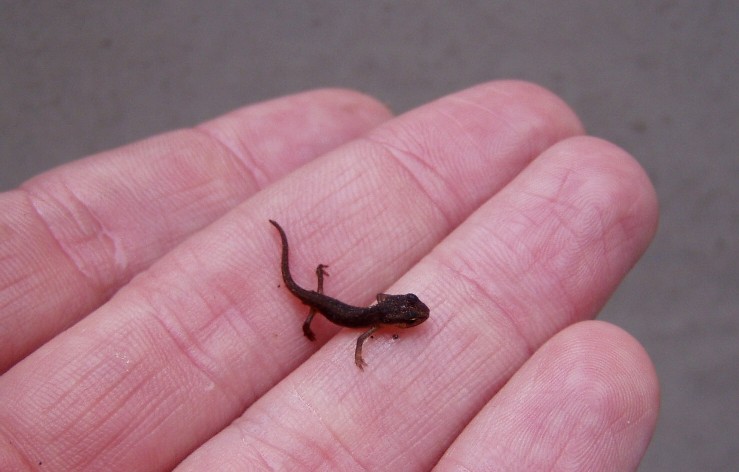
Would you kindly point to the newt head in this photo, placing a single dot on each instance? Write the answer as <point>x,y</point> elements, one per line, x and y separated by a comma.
<point>403,311</point>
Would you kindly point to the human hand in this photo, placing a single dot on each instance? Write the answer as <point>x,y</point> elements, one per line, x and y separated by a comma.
<point>189,351</point>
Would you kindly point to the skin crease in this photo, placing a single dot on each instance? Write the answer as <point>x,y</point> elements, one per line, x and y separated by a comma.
<point>489,204</point>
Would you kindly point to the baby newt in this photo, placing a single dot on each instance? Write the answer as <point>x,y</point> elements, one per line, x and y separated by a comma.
<point>402,311</point>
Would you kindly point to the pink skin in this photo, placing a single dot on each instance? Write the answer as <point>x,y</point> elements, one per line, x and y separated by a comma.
<point>513,229</point>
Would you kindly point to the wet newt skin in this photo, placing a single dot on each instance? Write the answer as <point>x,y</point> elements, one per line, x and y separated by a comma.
<point>402,311</point>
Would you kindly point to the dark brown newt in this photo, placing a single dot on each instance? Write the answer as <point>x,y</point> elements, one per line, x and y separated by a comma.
<point>402,311</point>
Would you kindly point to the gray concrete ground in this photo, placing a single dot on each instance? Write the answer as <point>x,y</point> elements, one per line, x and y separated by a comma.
<point>657,77</point>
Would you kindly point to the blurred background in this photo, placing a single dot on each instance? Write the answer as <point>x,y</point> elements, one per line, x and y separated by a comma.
<point>659,78</point>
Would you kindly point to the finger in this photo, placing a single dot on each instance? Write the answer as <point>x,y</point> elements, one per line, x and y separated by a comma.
<point>188,344</point>
<point>587,400</point>
<point>543,253</point>
<point>72,236</point>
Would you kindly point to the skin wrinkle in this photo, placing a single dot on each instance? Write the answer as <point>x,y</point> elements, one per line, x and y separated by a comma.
<point>458,349</point>
<point>220,312</point>
<point>191,345</point>
<point>403,157</point>
<point>566,454</point>
<point>243,158</point>
<point>256,447</point>
<point>109,444</point>
<point>607,264</point>
<point>583,425</point>
<point>560,456</point>
<point>129,394</point>
<point>256,452</point>
<point>34,200</point>
<point>608,246</point>
<point>206,177</point>
<point>625,224</point>
<point>100,232</point>
<point>587,226</point>
<point>197,198</point>
<point>401,455</point>
<point>191,349</point>
<point>360,204</point>
<point>459,374</point>
<point>417,455</point>
<point>146,441</point>
<point>64,402</point>
<point>9,286</point>
<point>509,126</point>
<point>198,346</point>
<point>92,432</point>
<point>559,283</point>
<point>388,410</point>
<point>509,261</point>
<point>542,259</point>
<point>378,412</point>
<point>355,204</point>
<point>561,450</point>
<point>344,446</point>
<point>259,359</point>
<point>449,188</point>
<point>261,458</point>
<point>471,103</point>
<point>7,437</point>
<point>251,428</point>
<point>262,359</point>
<point>378,266</point>
<point>453,464</point>
<point>533,448</point>
<point>317,454</point>
<point>530,139</point>
<point>597,213</point>
<point>475,399</point>
<point>472,281</point>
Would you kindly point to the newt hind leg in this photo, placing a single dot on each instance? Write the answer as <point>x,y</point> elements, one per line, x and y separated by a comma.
<point>320,272</point>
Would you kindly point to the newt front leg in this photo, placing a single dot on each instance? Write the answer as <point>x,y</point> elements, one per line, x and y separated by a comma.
<point>358,352</point>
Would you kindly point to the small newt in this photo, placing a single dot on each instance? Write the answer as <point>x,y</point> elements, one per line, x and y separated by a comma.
<point>402,311</point>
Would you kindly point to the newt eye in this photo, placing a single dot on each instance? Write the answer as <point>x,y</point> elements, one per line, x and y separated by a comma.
<point>415,320</point>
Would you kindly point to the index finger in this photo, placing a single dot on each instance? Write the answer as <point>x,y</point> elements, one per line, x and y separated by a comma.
<point>72,236</point>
